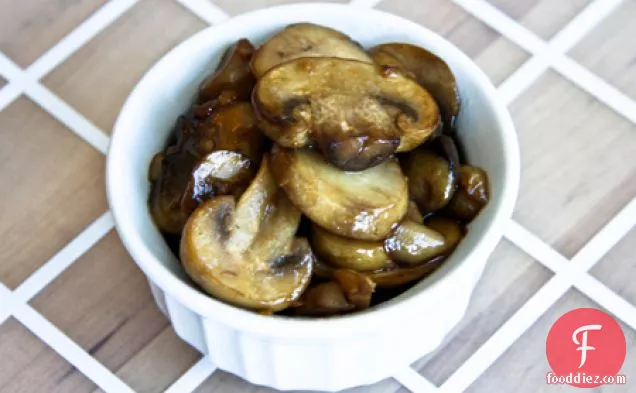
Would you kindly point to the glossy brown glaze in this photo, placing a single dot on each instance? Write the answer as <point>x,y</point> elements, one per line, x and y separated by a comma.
<point>346,253</point>
<point>432,174</point>
<point>412,243</point>
<point>222,172</point>
<point>472,194</point>
<point>357,287</point>
<point>345,291</point>
<point>324,299</point>
<point>474,181</point>
<point>357,153</point>
<point>404,275</point>
<point>183,176</point>
<point>233,74</point>
<point>169,202</point>
<point>232,127</point>
<point>452,231</point>
<point>202,111</point>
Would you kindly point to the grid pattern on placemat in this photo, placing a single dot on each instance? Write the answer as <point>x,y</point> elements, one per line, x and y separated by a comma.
<point>539,57</point>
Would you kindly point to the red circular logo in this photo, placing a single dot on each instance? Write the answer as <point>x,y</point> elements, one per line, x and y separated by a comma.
<point>585,348</point>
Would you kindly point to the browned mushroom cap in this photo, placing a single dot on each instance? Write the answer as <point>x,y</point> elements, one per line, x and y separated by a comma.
<point>362,205</point>
<point>169,202</point>
<point>305,40</point>
<point>217,157</point>
<point>404,275</point>
<point>245,253</point>
<point>412,243</point>
<point>474,181</point>
<point>432,174</point>
<point>346,291</point>
<point>232,127</point>
<point>232,74</point>
<point>413,213</point>
<point>472,194</point>
<point>357,113</point>
<point>358,153</point>
<point>428,69</point>
<point>222,172</point>
<point>184,135</point>
<point>462,207</point>
<point>357,287</point>
<point>452,231</point>
<point>203,111</point>
<point>345,253</point>
<point>156,166</point>
<point>326,298</point>
<point>322,269</point>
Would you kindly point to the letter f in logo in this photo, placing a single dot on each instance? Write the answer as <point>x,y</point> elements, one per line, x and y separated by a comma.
<point>584,347</point>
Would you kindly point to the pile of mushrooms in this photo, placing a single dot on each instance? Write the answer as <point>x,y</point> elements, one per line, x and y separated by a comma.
<point>312,177</point>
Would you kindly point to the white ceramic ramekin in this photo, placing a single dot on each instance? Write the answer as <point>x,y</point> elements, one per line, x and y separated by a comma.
<point>318,354</point>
